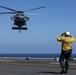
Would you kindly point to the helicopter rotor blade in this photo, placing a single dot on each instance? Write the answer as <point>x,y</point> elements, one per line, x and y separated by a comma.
<point>15,11</point>
<point>32,14</point>
<point>35,8</point>
<point>7,8</point>
<point>8,12</point>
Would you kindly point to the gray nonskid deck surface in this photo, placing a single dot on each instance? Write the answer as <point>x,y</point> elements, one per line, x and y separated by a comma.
<point>33,67</point>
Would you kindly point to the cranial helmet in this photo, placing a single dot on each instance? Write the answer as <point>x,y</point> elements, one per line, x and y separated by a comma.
<point>67,33</point>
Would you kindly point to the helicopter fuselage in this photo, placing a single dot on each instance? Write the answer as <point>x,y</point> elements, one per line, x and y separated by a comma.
<point>19,21</point>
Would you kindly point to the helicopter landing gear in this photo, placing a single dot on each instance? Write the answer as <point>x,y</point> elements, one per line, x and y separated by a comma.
<point>14,23</point>
<point>25,24</point>
<point>17,28</point>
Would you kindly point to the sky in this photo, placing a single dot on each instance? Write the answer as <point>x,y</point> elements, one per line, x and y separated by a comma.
<point>43,29</point>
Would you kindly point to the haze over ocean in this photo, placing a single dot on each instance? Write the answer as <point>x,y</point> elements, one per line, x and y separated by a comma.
<point>34,55</point>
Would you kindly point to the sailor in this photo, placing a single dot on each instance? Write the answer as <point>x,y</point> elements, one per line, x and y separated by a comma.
<point>66,51</point>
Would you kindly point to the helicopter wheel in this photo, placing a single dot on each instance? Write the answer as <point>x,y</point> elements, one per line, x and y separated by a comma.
<point>14,24</point>
<point>25,24</point>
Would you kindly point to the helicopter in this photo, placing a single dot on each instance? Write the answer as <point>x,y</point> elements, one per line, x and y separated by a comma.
<point>19,18</point>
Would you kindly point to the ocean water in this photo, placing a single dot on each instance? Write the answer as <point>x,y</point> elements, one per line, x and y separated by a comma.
<point>34,55</point>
